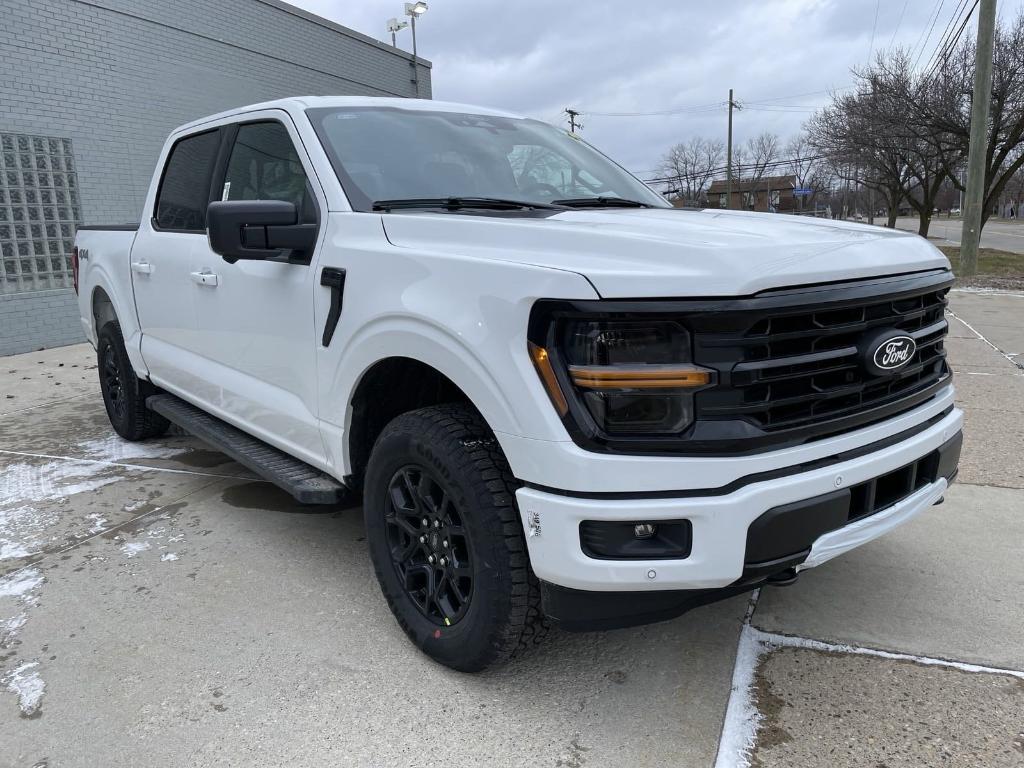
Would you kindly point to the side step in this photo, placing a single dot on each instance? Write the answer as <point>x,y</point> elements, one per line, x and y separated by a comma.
<point>307,484</point>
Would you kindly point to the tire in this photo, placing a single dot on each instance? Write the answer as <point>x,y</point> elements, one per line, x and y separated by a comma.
<point>124,393</point>
<point>478,602</point>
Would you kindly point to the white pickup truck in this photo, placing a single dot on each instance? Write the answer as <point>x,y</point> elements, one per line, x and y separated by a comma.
<point>558,396</point>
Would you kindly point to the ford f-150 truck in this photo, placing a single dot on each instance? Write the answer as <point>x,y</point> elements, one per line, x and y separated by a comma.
<point>558,397</point>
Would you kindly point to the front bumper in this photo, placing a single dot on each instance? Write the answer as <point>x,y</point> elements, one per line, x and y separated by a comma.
<point>720,523</point>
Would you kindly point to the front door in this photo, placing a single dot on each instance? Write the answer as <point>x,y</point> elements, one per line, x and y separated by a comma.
<point>255,318</point>
<point>161,259</point>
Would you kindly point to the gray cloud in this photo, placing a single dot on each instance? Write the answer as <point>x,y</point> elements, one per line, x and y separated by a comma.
<point>602,56</point>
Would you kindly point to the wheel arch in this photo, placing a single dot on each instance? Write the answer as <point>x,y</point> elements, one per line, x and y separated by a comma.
<point>103,310</point>
<point>386,389</point>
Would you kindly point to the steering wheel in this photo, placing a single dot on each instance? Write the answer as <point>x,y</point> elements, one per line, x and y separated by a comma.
<point>541,188</point>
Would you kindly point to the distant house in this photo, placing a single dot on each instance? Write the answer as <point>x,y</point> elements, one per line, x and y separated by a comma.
<point>768,194</point>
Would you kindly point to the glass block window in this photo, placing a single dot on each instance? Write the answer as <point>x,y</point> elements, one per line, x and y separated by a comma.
<point>39,212</point>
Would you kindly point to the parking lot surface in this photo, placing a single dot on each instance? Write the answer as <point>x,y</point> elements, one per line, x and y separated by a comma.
<point>1004,234</point>
<point>161,606</point>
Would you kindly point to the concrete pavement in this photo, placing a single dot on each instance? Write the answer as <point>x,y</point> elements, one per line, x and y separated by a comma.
<point>1004,234</point>
<point>160,606</point>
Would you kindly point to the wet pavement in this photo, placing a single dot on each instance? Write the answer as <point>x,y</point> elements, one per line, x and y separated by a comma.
<point>159,605</point>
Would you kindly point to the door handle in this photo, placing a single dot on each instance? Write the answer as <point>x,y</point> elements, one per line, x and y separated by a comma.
<point>142,267</point>
<point>206,277</point>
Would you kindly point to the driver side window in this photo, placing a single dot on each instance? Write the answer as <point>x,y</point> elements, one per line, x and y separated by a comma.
<point>265,166</point>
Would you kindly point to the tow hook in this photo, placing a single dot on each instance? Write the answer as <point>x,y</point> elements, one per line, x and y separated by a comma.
<point>782,578</point>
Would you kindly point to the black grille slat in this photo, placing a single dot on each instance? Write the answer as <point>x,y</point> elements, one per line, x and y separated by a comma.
<point>789,368</point>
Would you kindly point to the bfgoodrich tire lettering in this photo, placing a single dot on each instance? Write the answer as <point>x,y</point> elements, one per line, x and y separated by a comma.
<point>124,393</point>
<point>468,502</point>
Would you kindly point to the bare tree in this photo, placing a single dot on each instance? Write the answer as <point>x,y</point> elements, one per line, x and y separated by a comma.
<point>947,106</point>
<point>691,165</point>
<point>801,163</point>
<point>762,151</point>
<point>873,136</point>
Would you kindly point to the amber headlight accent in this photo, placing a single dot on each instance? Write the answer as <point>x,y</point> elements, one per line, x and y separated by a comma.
<point>635,377</point>
<point>542,362</point>
<point>639,377</point>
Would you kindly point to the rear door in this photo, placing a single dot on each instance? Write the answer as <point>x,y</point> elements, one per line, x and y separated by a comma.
<point>161,259</point>
<point>257,332</point>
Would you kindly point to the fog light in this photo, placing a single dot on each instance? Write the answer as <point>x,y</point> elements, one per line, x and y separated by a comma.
<point>643,530</point>
<point>626,539</point>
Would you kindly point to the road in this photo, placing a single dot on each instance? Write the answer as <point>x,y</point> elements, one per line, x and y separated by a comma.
<point>998,233</point>
<point>161,606</point>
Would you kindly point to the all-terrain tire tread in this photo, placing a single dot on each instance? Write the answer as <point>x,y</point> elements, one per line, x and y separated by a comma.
<point>483,457</point>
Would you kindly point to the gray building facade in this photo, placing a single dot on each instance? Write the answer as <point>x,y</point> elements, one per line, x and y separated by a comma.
<point>89,90</point>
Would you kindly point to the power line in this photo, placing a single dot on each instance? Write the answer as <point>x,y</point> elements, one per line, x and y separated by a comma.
<point>938,11</point>
<point>947,33</point>
<point>874,26</point>
<point>662,112</point>
<point>941,60</point>
<point>898,22</point>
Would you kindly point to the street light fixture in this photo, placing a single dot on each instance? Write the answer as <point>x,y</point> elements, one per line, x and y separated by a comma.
<point>412,10</point>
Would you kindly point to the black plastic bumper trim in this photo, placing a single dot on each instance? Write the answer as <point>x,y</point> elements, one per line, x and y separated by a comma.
<point>773,474</point>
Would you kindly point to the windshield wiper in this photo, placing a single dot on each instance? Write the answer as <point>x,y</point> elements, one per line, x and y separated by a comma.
<point>457,203</point>
<point>601,202</point>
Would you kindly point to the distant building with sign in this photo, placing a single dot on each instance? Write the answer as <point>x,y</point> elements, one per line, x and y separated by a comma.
<point>769,194</point>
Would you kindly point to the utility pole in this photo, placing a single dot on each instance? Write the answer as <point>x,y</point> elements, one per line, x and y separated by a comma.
<point>573,123</point>
<point>728,157</point>
<point>970,235</point>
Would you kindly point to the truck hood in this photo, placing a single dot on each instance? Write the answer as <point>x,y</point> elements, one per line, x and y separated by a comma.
<point>661,253</point>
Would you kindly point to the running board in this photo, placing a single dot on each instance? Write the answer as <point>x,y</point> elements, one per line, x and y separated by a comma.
<point>307,484</point>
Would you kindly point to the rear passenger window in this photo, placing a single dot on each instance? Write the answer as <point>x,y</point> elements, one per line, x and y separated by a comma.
<point>185,188</point>
<point>265,166</point>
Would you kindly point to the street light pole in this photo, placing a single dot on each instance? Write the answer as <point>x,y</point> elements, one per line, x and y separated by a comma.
<point>973,212</point>
<point>412,10</point>
<point>415,65</point>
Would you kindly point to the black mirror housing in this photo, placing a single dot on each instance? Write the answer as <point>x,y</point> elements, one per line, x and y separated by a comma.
<point>258,229</point>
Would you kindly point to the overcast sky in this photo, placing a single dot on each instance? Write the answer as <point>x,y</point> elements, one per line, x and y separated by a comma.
<point>537,57</point>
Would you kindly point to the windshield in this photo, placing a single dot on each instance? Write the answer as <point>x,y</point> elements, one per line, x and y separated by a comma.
<point>384,153</point>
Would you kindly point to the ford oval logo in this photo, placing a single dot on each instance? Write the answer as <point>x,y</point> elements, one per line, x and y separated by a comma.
<point>894,352</point>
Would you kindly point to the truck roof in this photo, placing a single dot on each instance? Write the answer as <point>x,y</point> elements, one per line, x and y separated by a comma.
<point>299,103</point>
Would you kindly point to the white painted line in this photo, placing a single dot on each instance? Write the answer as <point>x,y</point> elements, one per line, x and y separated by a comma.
<point>128,466</point>
<point>742,717</point>
<point>975,331</point>
<point>43,405</point>
<point>771,640</point>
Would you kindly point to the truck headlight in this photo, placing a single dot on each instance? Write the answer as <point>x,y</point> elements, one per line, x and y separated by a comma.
<point>633,377</point>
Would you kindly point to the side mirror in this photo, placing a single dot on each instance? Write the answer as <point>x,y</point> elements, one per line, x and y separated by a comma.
<point>258,229</point>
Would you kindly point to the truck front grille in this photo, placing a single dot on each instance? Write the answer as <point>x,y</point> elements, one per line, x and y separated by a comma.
<point>798,367</point>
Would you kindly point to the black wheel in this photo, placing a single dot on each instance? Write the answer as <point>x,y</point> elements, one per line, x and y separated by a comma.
<point>446,541</point>
<point>124,394</point>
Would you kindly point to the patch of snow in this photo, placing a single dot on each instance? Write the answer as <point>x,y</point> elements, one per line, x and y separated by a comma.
<point>114,448</point>
<point>132,548</point>
<point>742,718</point>
<point>12,549</point>
<point>50,481</point>
<point>98,521</point>
<point>133,505</point>
<point>20,583</point>
<point>168,557</point>
<point>25,683</point>
<point>769,640</point>
<point>9,626</point>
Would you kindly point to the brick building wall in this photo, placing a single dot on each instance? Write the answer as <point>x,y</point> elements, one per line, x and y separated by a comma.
<point>89,90</point>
